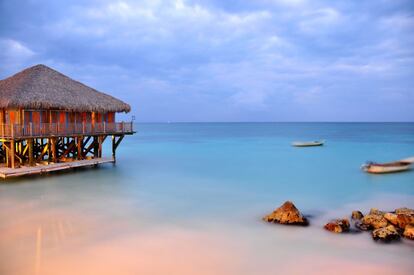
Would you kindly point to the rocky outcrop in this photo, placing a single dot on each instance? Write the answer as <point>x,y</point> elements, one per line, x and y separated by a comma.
<point>287,214</point>
<point>404,220</point>
<point>405,211</point>
<point>363,226</point>
<point>375,211</point>
<point>357,215</point>
<point>338,226</point>
<point>391,218</point>
<point>409,232</point>
<point>373,221</point>
<point>386,234</point>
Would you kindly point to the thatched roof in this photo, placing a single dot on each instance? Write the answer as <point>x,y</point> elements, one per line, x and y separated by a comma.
<point>40,87</point>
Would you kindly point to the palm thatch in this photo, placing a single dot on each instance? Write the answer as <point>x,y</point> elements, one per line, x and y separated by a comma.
<point>40,87</point>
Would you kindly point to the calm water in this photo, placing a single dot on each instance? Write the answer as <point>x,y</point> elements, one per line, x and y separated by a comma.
<point>188,199</point>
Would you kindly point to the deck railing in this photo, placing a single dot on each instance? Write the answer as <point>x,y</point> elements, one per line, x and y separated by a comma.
<point>62,129</point>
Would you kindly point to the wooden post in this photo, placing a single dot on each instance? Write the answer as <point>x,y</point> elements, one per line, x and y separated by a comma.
<point>113,148</point>
<point>31,157</point>
<point>49,144</point>
<point>7,154</point>
<point>79,146</point>
<point>115,144</point>
<point>100,139</point>
<point>54,149</point>
<point>12,158</point>
<point>95,147</point>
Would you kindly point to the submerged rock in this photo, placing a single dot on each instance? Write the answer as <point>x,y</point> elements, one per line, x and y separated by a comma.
<point>338,226</point>
<point>409,232</point>
<point>357,215</point>
<point>386,234</point>
<point>287,214</point>
<point>374,221</point>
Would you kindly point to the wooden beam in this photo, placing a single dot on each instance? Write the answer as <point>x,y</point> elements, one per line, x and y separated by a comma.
<point>119,141</point>
<point>69,148</point>
<point>43,152</point>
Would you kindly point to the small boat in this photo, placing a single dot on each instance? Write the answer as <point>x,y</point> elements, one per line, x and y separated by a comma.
<point>307,143</point>
<point>389,167</point>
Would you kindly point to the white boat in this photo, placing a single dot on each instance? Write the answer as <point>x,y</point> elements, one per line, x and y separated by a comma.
<point>308,143</point>
<point>389,167</point>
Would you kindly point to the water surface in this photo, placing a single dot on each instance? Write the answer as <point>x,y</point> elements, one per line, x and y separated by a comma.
<point>188,198</point>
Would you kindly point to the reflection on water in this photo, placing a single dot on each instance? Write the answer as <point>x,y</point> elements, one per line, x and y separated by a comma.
<point>58,241</point>
<point>190,201</point>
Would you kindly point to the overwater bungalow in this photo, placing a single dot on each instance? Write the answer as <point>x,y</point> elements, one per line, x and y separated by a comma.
<point>49,122</point>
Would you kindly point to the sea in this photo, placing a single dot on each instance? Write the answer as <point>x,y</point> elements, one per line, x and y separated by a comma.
<point>188,198</point>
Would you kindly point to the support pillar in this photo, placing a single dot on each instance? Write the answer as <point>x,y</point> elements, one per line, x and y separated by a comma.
<point>12,157</point>
<point>113,148</point>
<point>95,147</point>
<point>79,147</point>
<point>54,149</point>
<point>31,156</point>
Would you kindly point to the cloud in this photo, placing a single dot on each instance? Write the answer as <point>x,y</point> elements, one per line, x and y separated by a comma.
<point>246,60</point>
<point>13,48</point>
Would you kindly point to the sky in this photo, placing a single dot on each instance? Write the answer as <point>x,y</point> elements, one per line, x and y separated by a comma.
<point>218,60</point>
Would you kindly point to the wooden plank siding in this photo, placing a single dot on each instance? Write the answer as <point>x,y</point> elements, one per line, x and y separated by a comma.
<point>13,116</point>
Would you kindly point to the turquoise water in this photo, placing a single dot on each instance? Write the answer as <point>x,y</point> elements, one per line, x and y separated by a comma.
<point>184,189</point>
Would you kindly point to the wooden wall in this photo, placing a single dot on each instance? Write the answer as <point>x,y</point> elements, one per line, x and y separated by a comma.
<point>19,116</point>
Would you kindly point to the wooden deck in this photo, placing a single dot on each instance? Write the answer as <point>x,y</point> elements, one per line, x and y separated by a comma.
<point>42,169</point>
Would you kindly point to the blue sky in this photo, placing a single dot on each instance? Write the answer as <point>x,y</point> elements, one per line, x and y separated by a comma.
<point>216,60</point>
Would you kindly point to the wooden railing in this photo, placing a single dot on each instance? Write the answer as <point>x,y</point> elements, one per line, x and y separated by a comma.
<point>62,129</point>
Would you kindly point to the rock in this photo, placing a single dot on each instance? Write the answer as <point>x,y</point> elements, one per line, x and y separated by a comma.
<point>363,226</point>
<point>374,221</point>
<point>357,215</point>
<point>409,232</point>
<point>338,226</point>
<point>287,214</point>
<point>375,211</point>
<point>405,211</point>
<point>404,220</point>
<point>386,234</point>
<point>392,218</point>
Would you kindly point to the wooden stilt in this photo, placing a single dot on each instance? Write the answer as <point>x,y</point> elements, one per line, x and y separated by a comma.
<point>54,149</point>
<point>31,156</point>
<point>113,148</point>
<point>12,158</point>
<point>115,144</point>
<point>100,141</point>
<point>79,147</point>
<point>95,147</point>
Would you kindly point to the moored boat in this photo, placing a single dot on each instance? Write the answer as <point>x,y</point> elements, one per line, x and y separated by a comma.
<point>389,167</point>
<point>307,143</point>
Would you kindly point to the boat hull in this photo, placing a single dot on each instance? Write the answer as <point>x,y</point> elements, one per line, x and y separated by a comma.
<point>306,144</point>
<point>385,168</point>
